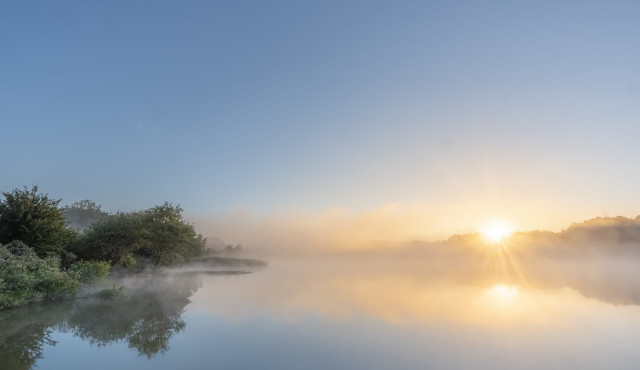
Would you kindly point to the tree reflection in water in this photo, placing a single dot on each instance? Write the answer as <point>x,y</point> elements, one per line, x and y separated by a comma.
<point>145,315</point>
<point>25,331</point>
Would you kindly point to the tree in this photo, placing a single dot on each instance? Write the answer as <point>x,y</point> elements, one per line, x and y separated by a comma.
<point>113,239</point>
<point>170,238</point>
<point>83,214</point>
<point>34,219</point>
<point>159,234</point>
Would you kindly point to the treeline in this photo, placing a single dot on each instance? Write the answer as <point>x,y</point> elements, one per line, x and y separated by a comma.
<point>48,251</point>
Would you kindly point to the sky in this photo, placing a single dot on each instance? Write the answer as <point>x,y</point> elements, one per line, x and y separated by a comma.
<point>435,116</point>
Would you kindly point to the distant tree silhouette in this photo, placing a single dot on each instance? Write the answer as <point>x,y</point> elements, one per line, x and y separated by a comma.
<point>83,214</point>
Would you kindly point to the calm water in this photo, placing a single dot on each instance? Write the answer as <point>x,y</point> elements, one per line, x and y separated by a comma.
<point>321,315</point>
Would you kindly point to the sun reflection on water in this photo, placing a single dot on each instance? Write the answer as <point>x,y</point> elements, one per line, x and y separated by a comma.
<point>399,295</point>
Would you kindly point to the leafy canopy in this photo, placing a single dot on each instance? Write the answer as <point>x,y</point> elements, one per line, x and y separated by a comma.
<point>34,219</point>
<point>159,234</point>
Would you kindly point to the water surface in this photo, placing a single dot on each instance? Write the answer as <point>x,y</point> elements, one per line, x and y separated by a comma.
<point>326,314</point>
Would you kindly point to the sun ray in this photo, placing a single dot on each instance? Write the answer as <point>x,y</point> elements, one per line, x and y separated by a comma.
<point>516,268</point>
<point>499,261</point>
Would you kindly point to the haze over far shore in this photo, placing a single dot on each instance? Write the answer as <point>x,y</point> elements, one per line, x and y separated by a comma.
<point>388,228</point>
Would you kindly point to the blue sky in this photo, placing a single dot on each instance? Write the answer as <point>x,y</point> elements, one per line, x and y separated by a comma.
<point>271,105</point>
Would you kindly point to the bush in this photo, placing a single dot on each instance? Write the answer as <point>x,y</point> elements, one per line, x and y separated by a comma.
<point>87,272</point>
<point>25,277</point>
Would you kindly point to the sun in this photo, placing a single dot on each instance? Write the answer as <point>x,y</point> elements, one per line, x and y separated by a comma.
<point>496,230</point>
<point>503,294</point>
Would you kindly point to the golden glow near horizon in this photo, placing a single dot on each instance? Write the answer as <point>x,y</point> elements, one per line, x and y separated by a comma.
<point>503,293</point>
<point>496,230</point>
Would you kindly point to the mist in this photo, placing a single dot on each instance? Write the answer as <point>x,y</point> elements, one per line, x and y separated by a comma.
<point>340,228</point>
<point>322,285</point>
<point>597,258</point>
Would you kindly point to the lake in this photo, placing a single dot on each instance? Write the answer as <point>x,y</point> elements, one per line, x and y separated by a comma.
<point>326,314</point>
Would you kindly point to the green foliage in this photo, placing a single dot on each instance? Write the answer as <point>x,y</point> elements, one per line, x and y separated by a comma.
<point>25,277</point>
<point>34,219</point>
<point>83,214</point>
<point>170,239</point>
<point>128,260</point>
<point>159,234</point>
<point>111,293</point>
<point>113,239</point>
<point>87,272</point>
<point>67,259</point>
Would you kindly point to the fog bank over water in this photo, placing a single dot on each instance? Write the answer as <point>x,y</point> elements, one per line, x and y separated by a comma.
<point>344,228</point>
<point>395,229</point>
<point>598,258</point>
